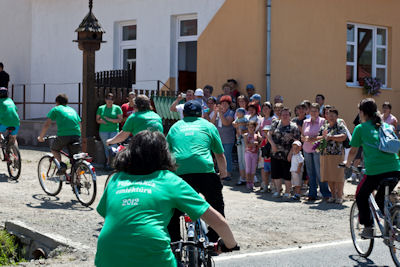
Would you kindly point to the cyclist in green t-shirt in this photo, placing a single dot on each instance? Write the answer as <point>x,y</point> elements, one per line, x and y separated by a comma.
<point>143,119</point>
<point>68,129</point>
<point>378,165</point>
<point>140,200</point>
<point>9,116</point>
<point>108,116</point>
<point>191,141</point>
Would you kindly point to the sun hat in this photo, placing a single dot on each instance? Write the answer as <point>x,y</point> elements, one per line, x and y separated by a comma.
<point>241,110</point>
<point>255,97</point>
<point>199,92</point>
<point>249,86</point>
<point>267,128</point>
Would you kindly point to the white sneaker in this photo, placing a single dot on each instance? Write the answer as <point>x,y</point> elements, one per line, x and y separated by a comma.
<point>276,194</point>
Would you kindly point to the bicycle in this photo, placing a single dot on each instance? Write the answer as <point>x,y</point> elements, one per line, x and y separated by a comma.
<point>11,155</point>
<point>121,147</point>
<point>389,228</point>
<point>81,175</point>
<point>195,249</point>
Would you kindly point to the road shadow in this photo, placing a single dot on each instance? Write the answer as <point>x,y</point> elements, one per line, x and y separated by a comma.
<point>4,178</point>
<point>322,205</point>
<point>362,262</point>
<point>50,203</point>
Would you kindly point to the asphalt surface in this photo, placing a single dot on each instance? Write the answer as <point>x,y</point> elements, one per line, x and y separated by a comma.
<point>341,253</point>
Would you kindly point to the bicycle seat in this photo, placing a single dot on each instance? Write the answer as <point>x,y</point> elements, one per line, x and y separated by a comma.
<point>11,129</point>
<point>389,181</point>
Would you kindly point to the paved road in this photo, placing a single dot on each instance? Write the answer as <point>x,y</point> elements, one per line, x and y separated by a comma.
<point>340,253</point>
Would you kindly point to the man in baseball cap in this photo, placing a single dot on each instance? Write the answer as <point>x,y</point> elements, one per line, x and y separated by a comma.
<point>191,142</point>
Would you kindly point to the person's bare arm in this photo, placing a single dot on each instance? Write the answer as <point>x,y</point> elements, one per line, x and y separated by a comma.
<point>117,120</point>
<point>99,120</point>
<point>351,157</point>
<point>226,121</point>
<point>175,103</point>
<point>337,138</point>
<point>119,138</point>
<point>221,162</point>
<point>273,145</point>
<point>46,126</point>
<point>220,225</point>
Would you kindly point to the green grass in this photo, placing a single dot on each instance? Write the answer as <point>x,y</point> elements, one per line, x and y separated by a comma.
<point>8,249</point>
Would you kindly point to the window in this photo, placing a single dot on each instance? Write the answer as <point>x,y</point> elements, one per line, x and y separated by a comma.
<point>127,47</point>
<point>366,53</point>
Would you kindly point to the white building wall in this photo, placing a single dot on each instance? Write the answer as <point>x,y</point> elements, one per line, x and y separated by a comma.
<point>15,42</point>
<point>56,59</point>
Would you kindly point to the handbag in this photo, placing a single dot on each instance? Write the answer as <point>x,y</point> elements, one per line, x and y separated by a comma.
<point>388,141</point>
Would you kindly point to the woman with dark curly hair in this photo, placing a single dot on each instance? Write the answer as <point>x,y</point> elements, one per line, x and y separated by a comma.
<point>139,202</point>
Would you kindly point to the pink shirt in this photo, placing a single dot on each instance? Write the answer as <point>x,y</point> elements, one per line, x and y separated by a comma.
<point>265,122</point>
<point>390,119</point>
<point>312,130</point>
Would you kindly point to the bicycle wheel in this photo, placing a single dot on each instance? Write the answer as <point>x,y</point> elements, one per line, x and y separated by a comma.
<point>47,174</point>
<point>84,183</point>
<point>363,246</point>
<point>14,162</point>
<point>108,179</point>
<point>394,244</point>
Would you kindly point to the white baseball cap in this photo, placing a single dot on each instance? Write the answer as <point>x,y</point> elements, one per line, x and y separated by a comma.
<point>199,92</point>
<point>297,142</point>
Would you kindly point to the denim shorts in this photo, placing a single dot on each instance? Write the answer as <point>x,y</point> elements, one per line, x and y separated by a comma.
<point>3,128</point>
<point>267,166</point>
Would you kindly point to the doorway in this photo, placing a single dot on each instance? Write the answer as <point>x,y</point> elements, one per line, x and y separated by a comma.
<point>187,65</point>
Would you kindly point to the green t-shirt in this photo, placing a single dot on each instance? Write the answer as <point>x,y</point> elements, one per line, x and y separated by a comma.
<point>191,141</point>
<point>8,110</point>
<point>67,120</point>
<point>137,210</point>
<point>375,161</point>
<point>111,113</point>
<point>143,120</point>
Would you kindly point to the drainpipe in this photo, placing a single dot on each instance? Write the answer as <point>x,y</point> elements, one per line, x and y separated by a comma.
<point>268,74</point>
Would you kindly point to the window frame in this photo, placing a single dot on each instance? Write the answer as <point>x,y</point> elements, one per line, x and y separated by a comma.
<point>375,47</point>
<point>189,38</point>
<point>124,45</point>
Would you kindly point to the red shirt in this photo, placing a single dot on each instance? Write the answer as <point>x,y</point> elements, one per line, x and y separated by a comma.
<point>126,112</point>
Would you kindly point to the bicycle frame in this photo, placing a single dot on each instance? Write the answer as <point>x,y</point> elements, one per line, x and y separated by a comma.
<point>377,213</point>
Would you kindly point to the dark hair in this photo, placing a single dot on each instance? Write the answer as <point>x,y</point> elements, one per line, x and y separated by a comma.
<point>268,104</point>
<point>109,96</point>
<point>189,91</point>
<point>253,105</point>
<point>3,92</point>
<point>254,123</point>
<point>232,81</point>
<point>334,110</point>
<point>209,87</point>
<point>307,103</point>
<point>387,104</point>
<point>1,65</point>
<point>142,103</point>
<point>147,152</point>
<point>325,108</point>
<point>62,99</point>
<point>213,99</point>
<point>322,96</point>
<point>370,110</point>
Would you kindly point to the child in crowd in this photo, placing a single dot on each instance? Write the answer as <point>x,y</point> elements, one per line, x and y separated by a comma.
<point>296,168</point>
<point>241,121</point>
<point>252,142</point>
<point>266,157</point>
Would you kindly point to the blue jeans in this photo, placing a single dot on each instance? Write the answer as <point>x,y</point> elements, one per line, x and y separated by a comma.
<point>228,155</point>
<point>104,136</point>
<point>313,170</point>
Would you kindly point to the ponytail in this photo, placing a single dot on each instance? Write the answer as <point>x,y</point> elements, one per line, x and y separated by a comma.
<point>370,110</point>
<point>376,120</point>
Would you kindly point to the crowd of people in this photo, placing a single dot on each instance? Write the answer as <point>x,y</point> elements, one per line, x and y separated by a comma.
<point>300,150</point>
